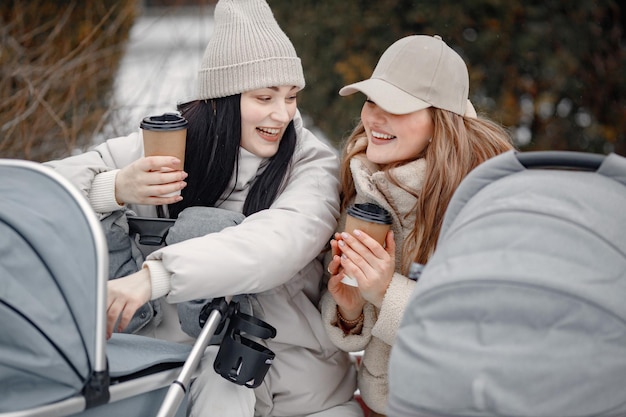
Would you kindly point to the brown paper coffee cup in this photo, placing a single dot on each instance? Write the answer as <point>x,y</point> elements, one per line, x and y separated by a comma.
<point>165,135</point>
<point>371,219</point>
<point>377,231</point>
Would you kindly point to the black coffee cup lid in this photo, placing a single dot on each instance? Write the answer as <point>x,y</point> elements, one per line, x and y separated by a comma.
<point>370,212</point>
<point>166,121</point>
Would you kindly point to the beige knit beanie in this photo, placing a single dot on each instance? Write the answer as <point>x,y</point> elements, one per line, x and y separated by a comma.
<point>247,51</point>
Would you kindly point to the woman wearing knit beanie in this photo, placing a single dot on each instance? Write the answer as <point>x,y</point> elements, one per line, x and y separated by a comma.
<point>248,161</point>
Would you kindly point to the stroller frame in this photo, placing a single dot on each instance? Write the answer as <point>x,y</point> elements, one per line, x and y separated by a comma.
<point>101,391</point>
<point>105,380</point>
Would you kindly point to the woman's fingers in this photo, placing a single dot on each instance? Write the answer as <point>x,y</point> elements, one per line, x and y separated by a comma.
<point>149,180</point>
<point>124,297</point>
<point>365,260</point>
<point>119,315</point>
<point>349,298</point>
<point>334,247</point>
<point>334,265</point>
<point>362,251</point>
<point>113,314</point>
<point>159,163</point>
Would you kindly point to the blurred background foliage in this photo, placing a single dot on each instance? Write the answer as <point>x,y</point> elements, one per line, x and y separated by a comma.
<point>553,71</point>
<point>58,60</point>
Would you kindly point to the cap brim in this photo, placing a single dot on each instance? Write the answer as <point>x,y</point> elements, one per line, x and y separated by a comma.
<point>386,96</point>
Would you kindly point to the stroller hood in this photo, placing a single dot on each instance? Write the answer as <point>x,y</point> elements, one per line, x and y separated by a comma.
<point>52,358</point>
<point>520,311</point>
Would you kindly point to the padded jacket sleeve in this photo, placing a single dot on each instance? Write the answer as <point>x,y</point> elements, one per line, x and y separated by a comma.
<point>268,247</point>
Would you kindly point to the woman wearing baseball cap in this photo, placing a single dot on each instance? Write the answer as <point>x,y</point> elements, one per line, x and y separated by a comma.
<point>417,138</point>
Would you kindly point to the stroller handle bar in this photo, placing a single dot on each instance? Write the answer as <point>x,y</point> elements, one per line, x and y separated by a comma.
<point>560,159</point>
<point>180,386</point>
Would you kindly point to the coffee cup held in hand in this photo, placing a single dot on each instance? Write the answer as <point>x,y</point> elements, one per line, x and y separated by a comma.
<point>165,135</point>
<point>371,219</point>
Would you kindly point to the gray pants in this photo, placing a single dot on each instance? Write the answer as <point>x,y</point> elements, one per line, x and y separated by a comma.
<point>194,222</point>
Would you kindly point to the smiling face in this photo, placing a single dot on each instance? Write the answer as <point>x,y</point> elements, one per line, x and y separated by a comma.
<point>265,114</point>
<point>395,137</point>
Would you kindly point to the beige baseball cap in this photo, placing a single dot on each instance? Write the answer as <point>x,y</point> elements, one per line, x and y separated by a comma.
<point>414,73</point>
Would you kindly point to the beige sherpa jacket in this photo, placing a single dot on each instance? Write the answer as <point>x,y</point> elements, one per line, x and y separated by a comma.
<point>379,328</point>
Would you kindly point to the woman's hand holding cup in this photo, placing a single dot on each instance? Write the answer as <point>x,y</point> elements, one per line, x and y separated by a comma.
<point>371,219</point>
<point>157,178</point>
<point>348,298</point>
<point>369,263</point>
<point>148,179</point>
<point>165,135</point>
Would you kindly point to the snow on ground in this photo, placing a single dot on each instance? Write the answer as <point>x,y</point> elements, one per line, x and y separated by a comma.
<point>159,68</point>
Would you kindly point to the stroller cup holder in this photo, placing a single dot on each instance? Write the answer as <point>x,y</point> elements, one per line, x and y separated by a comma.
<point>240,359</point>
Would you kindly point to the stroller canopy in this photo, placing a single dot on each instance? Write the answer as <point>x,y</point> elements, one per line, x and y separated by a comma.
<point>49,261</point>
<point>521,311</point>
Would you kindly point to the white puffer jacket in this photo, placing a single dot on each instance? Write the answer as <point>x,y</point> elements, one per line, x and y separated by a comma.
<point>273,253</point>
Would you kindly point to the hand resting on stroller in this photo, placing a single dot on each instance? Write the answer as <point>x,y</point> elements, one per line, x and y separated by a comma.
<point>124,296</point>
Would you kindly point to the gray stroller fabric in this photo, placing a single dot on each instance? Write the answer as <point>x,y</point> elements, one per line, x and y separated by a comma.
<point>199,221</point>
<point>53,266</point>
<point>521,311</point>
<point>125,258</point>
<point>47,302</point>
<point>132,354</point>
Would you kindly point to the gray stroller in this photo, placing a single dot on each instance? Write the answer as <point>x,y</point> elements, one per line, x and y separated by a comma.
<point>521,311</point>
<point>54,357</point>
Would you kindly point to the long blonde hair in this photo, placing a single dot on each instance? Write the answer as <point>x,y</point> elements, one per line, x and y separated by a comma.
<point>458,145</point>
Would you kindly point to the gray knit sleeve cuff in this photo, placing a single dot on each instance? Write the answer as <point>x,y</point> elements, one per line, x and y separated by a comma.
<point>159,277</point>
<point>102,192</point>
